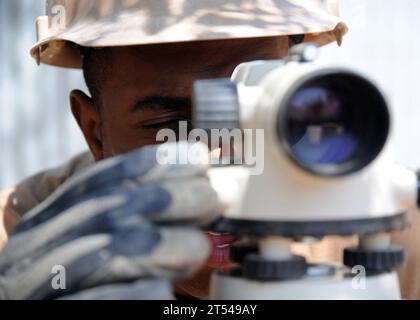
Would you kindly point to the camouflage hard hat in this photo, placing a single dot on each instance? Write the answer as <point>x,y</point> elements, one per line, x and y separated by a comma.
<point>103,23</point>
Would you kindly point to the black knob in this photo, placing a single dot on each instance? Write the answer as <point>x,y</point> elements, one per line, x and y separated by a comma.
<point>259,268</point>
<point>378,260</point>
<point>239,251</point>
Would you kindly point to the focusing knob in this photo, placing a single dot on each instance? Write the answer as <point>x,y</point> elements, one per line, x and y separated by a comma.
<point>239,251</point>
<point>374,260</point>
<point>259,268</point>
<point>216,105</point>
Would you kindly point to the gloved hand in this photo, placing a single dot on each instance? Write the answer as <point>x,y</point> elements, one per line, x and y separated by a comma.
<point>121,229</point>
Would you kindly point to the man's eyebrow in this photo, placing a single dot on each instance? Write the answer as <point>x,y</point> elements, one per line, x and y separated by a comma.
<point>159,103</point>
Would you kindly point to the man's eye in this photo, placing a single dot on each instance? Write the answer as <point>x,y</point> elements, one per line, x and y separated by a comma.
<point>167,123</point>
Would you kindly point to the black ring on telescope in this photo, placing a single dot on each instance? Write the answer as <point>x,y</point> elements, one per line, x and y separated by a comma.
<point>311,228</point>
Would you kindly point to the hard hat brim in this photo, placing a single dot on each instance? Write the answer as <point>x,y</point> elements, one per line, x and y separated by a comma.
<point>134,27</point>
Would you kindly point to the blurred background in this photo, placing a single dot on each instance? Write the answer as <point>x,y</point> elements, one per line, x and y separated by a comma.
<point>36,126</point>
<point>37,130</point>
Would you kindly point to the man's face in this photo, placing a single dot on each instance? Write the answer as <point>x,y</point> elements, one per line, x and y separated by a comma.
<point>148,88</point>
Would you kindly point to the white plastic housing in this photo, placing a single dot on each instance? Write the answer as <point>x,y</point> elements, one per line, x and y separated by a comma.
<point>335,287</point>
<point>285,191</point>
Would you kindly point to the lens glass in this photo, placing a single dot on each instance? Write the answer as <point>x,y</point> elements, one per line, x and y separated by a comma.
<point>335,124</point>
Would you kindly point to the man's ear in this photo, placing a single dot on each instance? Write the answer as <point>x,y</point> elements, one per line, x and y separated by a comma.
<point>88,118</point>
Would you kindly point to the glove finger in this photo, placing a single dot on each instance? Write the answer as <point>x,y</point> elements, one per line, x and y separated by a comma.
<point>144,289</point>
<point>134,169</point>
<point>101,259</point>
<point>190,200</point>
<point>29,244</point>
<point>177,254</point>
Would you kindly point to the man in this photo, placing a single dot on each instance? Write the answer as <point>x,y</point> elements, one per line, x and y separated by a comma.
<point>140,59</point>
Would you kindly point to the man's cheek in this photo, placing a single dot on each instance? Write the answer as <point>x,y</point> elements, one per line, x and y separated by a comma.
<point>121,141</point>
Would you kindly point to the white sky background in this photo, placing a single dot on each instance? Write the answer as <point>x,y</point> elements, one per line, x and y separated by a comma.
<point>37,130</point>
<point>384,43</point>
<point>36,126</point>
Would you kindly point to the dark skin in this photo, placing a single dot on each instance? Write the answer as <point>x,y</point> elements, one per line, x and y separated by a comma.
<point>148,88</point>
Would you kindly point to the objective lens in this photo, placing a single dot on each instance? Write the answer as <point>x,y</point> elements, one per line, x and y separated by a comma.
<point>335,124</point>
